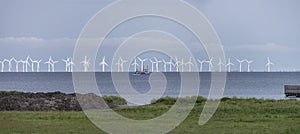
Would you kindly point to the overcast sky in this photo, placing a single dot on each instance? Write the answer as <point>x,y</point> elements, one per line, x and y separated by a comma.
<point>248,29</point>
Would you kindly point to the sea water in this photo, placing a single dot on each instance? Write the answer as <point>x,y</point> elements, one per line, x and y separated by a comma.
<point>245,85</point>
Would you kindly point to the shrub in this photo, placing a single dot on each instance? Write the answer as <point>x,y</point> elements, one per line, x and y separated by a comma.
<point>115,100</point>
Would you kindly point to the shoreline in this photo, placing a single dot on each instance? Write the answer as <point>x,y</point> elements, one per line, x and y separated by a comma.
<point>58,101</point>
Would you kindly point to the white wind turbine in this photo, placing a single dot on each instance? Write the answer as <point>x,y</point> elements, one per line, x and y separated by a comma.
<point>71,65</point>
<point>2,66</point>
<point>67,64</point>
<point>103,64</point>
<point>182,65</point>
<point>229,64</point>
<point>24,63</point>
<point>48,62</point>
<point>9,63</point>
<point>241,63</point>
<point>165,65</point>
<point>38,65</point>
<point>210,64</point>
<point>17,64</point>
<point>27,64</point>
<point>157,63</point>
<point>201,62</point>
<point>122,62</point>
<point>4,61</point>
<point>177,64</point>
<point>135,65</point>
<point>170,63</point>
<point>86,64</point>
<point>220,64</point>
<point>269,64</point>
<point>249,64</point>
<point>152,65</point>
<point>37,62</point>
<point>190,64</point>
<point>142,62</point>
<point>53,65</point>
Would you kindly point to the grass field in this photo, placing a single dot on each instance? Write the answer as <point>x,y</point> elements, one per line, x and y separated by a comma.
<point>233,116</point>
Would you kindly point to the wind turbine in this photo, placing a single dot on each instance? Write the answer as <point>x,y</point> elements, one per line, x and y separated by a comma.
<point>17,64</point>
<point>142,63</point>
<point>269,64</point>
<point>190,64</point>
<point>170,63</point>
<point>165,65</point>
<point>177,64</point>
<point>135,64</point>
<point>122,62</point>
<point>71,64</point>
<point>9,63</point>
<point>67,64</point>
<point>103,64</point>
<point>27,63</point>
<point>53,65</point>
<point>210,64</point>
<point>241,63</point>
<point>220,64</point>
<point>6,60</point>
<point>201,64</point>
<point>86,64</point>
<point>48,62</point>
<point>38,65</point>
<point>249,64</point>
<point>157,63</point>
<point>152,65</point>
<point>2,66</point>
<point>229,64</point>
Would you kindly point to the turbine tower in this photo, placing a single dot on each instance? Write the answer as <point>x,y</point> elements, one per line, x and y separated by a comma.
<point>122,62</point>
<point>182,65</point>
<point>6,60</point>
<point>27,63</point>
<point>177,64</point>
<point>241,63</point>
<point>249,64</point>
<point>165,65</point>
<point>2,66</point>
<point>67,64</point>
<point>135,65</point>
<point>220,64</point>
<point>37,64</point>
<point>170,63</point>
<point>103,64</point>
<point>71,65</point>
<point>269,64</point>
<point>210,64</point>
<point>48,62</point>
<point>142,63</point>
<point>157,63</point>
<point>53,65</point>
<point>229,64</point>
<point>86,64</point>
<point>152,65</point>
<point>190,64</point>
<point>201,64</point>
<point>17,64</point>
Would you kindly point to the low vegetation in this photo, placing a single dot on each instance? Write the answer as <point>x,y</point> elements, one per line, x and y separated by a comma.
<point>234,115</point>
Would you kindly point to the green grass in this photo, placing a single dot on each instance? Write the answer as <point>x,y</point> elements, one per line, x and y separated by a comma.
<point>233,116</point>
<point>10,92</point>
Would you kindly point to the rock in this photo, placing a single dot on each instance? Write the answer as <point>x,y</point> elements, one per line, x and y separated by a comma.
<point>55,101</point>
